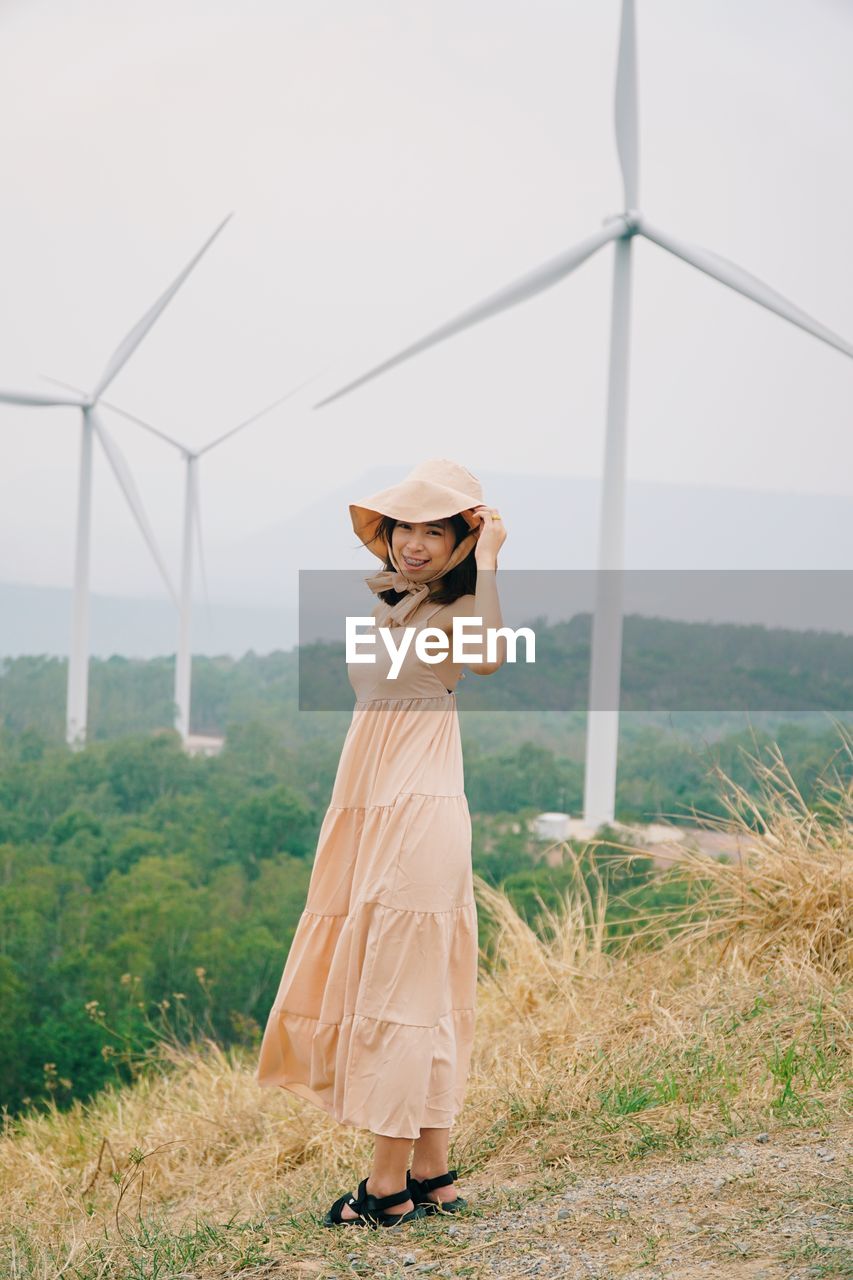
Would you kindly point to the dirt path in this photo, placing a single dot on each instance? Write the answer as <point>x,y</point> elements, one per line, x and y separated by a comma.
<point>754,1210</point>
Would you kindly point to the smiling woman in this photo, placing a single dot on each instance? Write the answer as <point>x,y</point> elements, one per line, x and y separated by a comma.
<point>355,1029</point>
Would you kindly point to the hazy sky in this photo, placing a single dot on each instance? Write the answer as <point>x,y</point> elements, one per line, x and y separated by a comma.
<point>388,164</point>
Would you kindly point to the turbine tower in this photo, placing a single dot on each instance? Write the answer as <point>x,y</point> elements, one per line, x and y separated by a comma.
<point>191,530</point>
<point>620,229</point>
<point>92,426</point>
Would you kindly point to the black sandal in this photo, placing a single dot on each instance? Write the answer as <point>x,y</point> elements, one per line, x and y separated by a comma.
<point>370,1209</point>
<point>418,1188</point>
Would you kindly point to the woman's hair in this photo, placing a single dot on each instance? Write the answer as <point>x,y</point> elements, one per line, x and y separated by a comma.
<point>459,581</point>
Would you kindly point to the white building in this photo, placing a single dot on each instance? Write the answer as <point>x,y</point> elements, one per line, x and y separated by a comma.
<point>196,744</point>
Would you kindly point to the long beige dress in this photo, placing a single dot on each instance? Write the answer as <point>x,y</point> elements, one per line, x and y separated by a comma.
<point>374,1016</point>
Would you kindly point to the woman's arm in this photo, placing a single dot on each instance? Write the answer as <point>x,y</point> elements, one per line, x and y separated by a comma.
<point>484,603</point>
<point>488,607</point>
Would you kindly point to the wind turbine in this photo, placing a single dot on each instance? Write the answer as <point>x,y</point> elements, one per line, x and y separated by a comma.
<point>92,426</point>
<point>191,528</point>
<point>606,659</point>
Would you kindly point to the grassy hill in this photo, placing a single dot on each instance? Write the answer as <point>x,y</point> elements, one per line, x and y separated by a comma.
<point>674,1102</point>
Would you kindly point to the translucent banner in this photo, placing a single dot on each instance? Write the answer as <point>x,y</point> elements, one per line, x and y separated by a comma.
<point>676,640</point>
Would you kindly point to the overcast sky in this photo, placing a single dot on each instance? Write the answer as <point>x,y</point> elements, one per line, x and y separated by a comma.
<point>388,164</point>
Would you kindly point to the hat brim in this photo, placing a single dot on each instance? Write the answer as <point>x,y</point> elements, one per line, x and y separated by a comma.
<point>406,502</point>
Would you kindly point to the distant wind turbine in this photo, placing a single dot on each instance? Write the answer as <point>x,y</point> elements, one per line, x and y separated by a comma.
<point>92,426</point>
<point>606,659</point>
<point>191,530</point>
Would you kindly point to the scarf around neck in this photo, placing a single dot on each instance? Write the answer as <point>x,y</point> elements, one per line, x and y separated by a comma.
<point>415,592</point>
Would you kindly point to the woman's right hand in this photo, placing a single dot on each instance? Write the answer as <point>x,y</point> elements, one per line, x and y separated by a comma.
<point>492,536</point>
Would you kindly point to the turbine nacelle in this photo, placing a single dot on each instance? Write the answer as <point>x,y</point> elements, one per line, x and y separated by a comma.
<point>630,220</point>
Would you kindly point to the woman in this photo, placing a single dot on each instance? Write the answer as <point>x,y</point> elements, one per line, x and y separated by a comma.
<point>374,1016</point>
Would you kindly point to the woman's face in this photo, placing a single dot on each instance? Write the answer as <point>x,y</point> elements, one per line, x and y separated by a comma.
<point>422,550</point>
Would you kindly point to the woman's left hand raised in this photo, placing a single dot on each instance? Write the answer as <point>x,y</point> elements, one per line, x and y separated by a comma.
<point>491,537</point>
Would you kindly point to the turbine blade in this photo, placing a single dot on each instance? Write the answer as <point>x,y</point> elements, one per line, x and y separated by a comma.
<point>123,474</point>
<point>125,349</point>
<point>543,277</point>
<point>626,106</point>
<point>36,398</point>
<point>146,426</point>
<point>66,386</point>
<point>260,414</point>
<point>729,273</point>
<point>123,413</point>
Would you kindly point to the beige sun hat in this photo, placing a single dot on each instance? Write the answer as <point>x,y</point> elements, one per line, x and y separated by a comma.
<point>432,490</point>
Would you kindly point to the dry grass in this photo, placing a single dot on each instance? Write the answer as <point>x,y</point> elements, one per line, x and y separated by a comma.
<point>791,895</point>
<point>737,1021</point>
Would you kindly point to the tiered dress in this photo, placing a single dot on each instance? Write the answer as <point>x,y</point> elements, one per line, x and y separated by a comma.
<point>374,1016</point>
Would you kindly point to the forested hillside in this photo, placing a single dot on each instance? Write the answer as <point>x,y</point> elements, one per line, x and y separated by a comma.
<point>712,672</point>
<point>140,886</point>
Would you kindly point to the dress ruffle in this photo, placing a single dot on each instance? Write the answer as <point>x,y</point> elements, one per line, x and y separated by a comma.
<point>369,1027</point>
